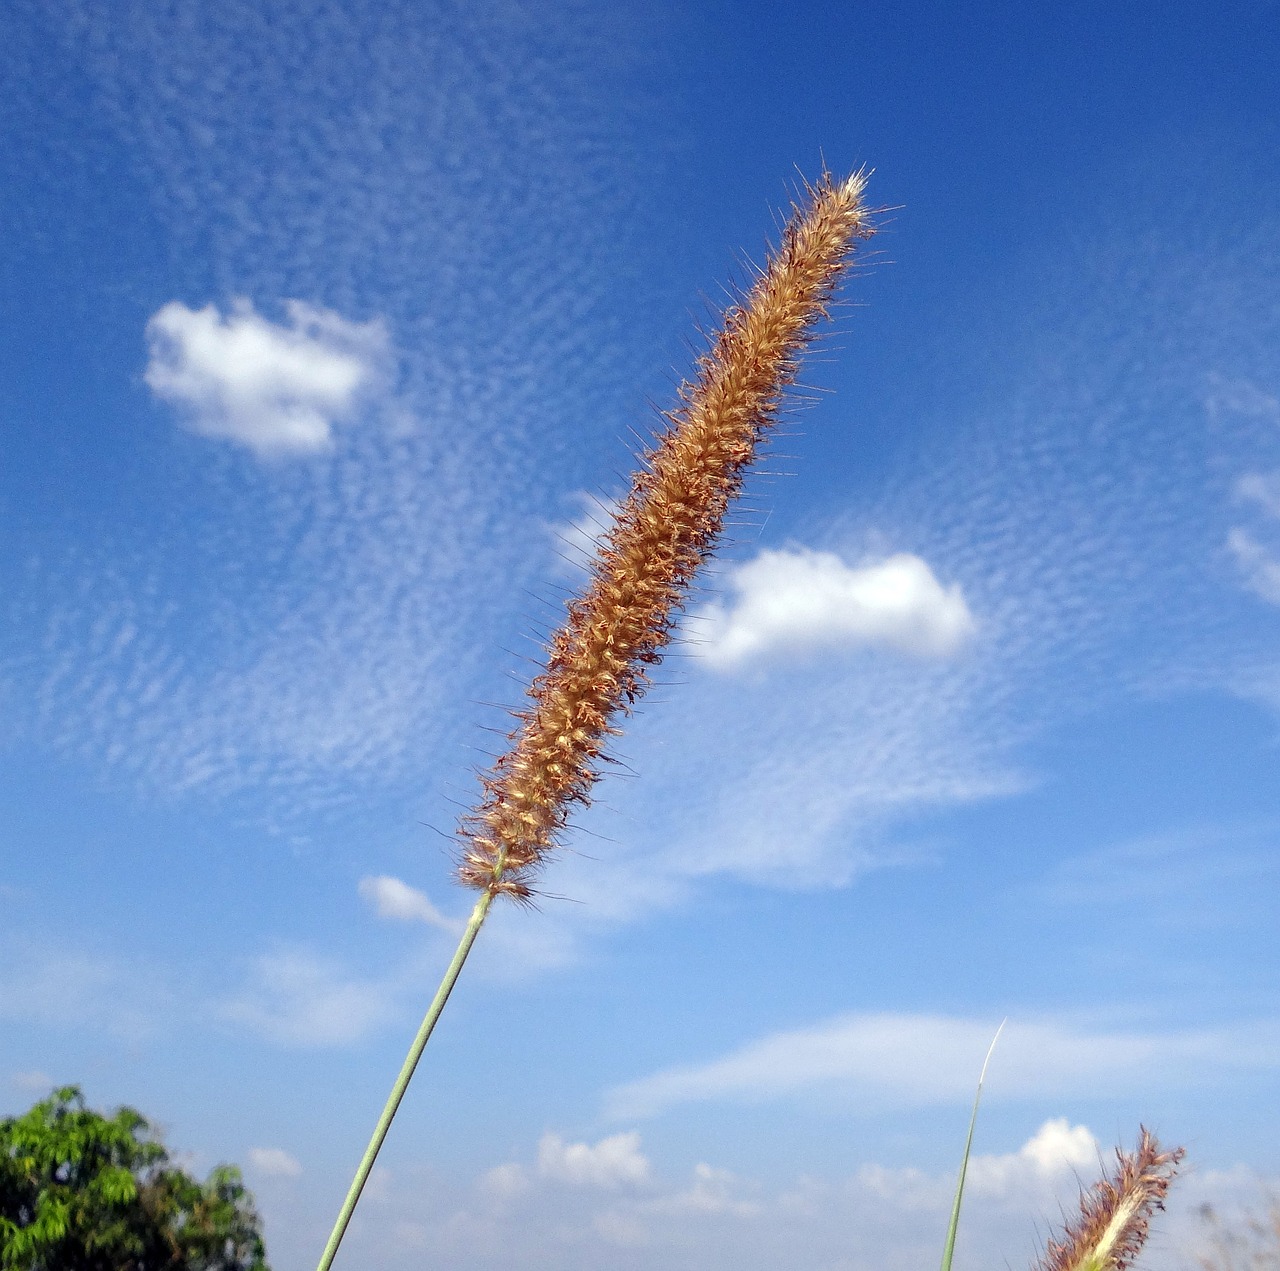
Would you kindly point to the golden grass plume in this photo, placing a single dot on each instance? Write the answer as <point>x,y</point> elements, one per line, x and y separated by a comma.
<point>665,529</point>
<point>1115,1213</point>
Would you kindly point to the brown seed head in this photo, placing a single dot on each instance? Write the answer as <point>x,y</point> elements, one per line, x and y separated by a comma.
<point>664,530</point>
<point>1115,1212</point>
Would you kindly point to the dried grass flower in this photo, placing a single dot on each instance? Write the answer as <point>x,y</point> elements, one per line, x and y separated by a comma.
<point>664,530</point>
<point>597,663</point>
<point>1115,1213</point>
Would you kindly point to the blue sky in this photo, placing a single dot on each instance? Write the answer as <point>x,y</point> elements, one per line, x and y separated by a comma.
<point>327,331</point>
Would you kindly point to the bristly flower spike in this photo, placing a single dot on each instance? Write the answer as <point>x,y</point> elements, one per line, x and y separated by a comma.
<point>665,529</point>
<point>1115,1213</point>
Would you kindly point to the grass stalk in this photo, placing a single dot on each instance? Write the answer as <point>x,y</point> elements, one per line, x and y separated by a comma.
<point>949,1249</point>
<point>596,664</point>
<point>474,923</point>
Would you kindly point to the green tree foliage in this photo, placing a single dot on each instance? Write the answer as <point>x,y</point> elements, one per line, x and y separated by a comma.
<point>81,1192</point>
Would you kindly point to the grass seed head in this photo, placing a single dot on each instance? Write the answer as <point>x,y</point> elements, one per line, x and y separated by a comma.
<point>1115,1213</point>
<point>597,663</point>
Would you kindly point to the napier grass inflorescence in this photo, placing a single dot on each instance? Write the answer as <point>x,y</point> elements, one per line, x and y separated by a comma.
<point>668,525</point>
<point>1116,1212</point>
<point>665,529</point>
<point>597,664</point>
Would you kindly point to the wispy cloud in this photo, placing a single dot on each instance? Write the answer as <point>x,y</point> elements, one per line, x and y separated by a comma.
<point>274,1162</point>
<point>1261,570</point>
<point>394,899</point>
<point>713,1190</point>
<point>32,1081</point>
<point>295,998</point>
<point>1196,878</point>
<point>65,987</point>
<point>1262,490</point>
<point>277,388</point>
<point>796,599</point>
<point>337,598</point>
<point>903,1060</point>
<point>1257,561</point>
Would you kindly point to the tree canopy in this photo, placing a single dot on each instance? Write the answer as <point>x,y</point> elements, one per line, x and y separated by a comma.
<point>83,1192</point>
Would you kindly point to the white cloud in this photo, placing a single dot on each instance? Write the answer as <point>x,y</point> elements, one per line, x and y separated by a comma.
<point>33,1082</point>
<point>712,1191</point>
<point>274,1162</point>
<point>841,1214</point>
<point>909,1060</point>
<point>1055,1147</point>
<point>396,900</point>
<point>897,1051</point>
<point>506,1180</point>
<point>1260,567</point>
<point>800,599</point>
<point>1261,570</point>
<point>1262,489</point>
<point>610,1163</point>
<point>622,1229</point>
<point>276,388</point>
<point>300,1000</point>
<point>63,987</point>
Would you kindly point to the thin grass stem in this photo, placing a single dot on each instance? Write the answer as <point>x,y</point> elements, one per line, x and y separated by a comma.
<point>949,1249</point>
<point>474,923</point>
<point>598,663</point>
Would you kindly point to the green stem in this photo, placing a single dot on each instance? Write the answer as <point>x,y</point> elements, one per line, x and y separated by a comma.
<point>474,923</point>
<point>949,1249</point>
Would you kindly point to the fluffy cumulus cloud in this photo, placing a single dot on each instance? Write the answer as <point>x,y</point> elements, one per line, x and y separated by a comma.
<point>609,1163</point>
<point>1057,1146</point>
<point>1056,1149</point>
<point>854,1216</point>
<point>396,900</point>
<point>278,389</point>
<point>796,599</point>
<point>712,1190</point>
<point>274,1162</point>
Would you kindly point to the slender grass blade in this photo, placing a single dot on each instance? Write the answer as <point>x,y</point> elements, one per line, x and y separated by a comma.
<point>949,1249</point>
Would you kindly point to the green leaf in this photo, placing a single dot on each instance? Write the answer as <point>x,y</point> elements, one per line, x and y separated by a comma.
<point>948,1251</point>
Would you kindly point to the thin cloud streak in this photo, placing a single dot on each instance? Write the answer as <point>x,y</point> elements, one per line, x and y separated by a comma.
<point>295,998</point>
<point>897,1061</point>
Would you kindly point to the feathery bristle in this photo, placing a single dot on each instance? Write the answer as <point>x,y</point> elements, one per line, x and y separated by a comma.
<point>1115,1212</point>
<point>664,530</point>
